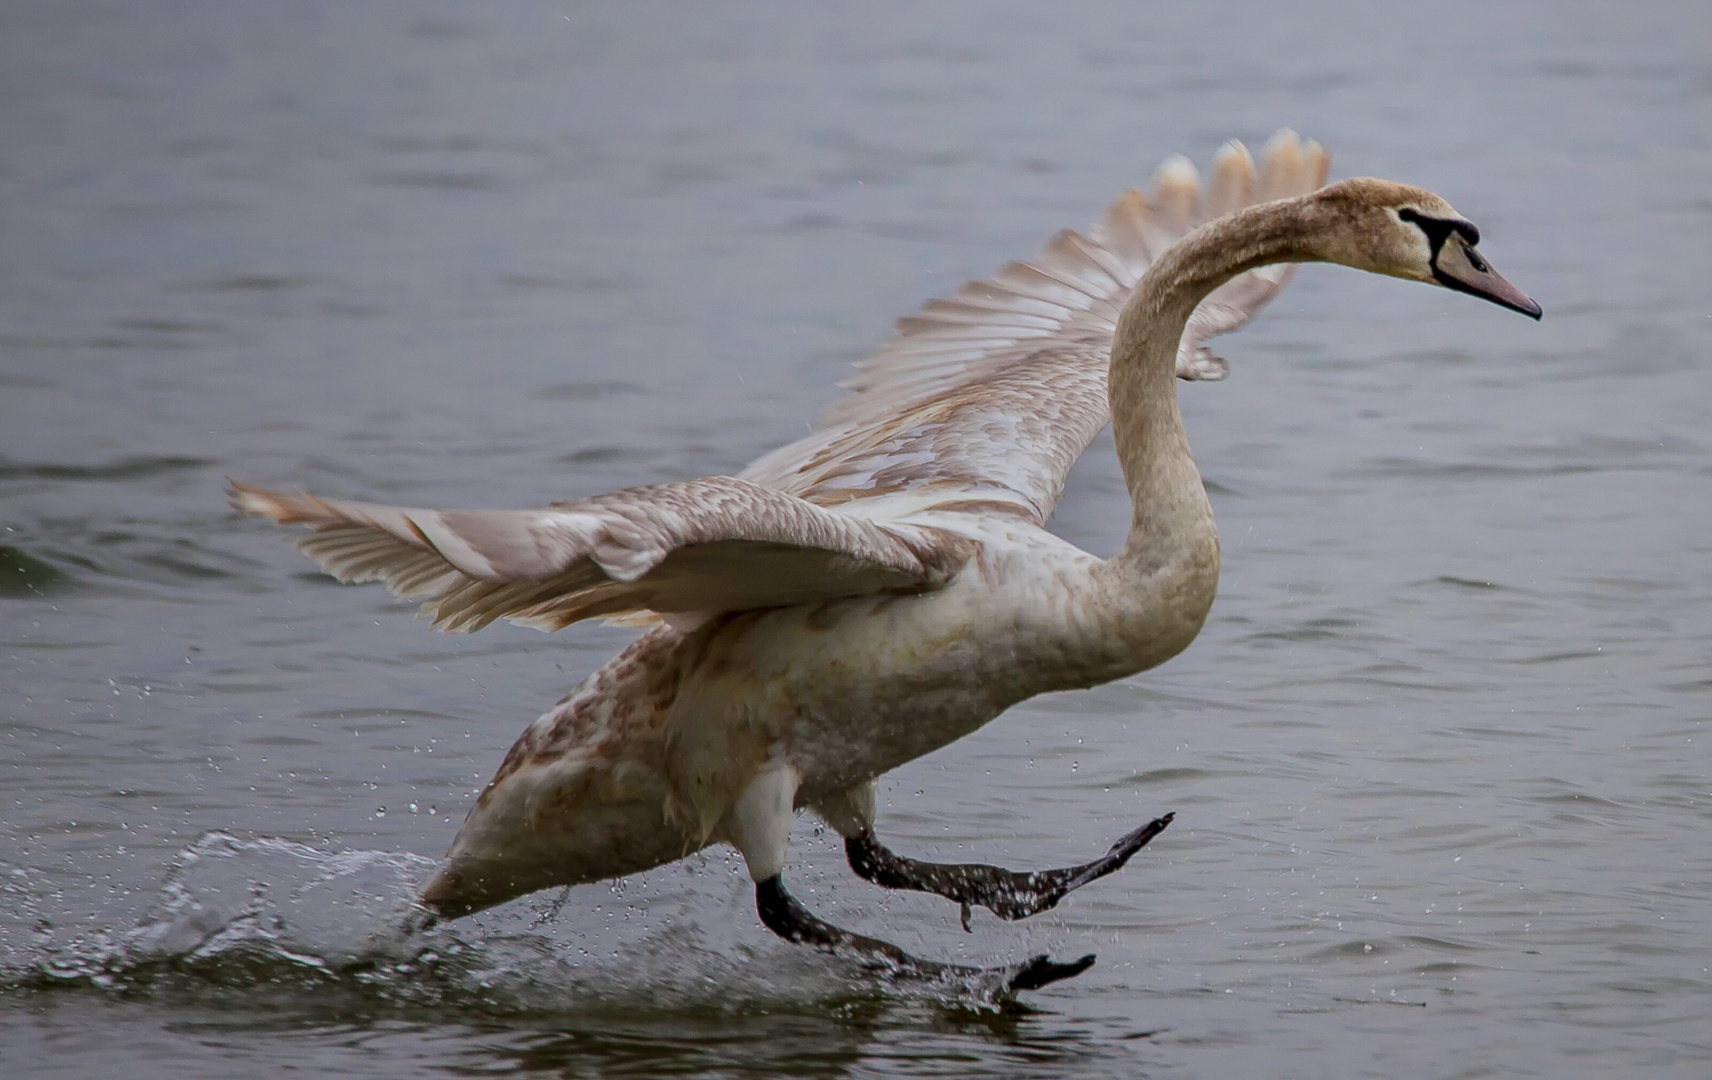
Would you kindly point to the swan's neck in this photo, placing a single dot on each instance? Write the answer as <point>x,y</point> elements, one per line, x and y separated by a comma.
<point>1169,562</point>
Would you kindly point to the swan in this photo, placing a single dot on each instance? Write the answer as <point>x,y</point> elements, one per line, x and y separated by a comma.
<point>885,585</point>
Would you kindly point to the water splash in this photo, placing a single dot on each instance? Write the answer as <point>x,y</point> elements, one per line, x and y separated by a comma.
<point>237,912</point>
<point>284,925</point>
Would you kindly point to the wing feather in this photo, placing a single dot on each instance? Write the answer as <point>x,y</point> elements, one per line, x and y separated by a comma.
<point>714,544</point>
<point>982,400</point>
<point>994,393</point>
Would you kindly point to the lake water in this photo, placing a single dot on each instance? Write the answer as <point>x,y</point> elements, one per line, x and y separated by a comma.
<point>1440,759</point>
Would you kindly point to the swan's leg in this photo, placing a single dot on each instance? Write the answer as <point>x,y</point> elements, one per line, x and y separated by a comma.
<point>790,920</point>
<point>760,826</point>
<point>1007,893</point>
<point>759,822</point>
<point>849,812</point>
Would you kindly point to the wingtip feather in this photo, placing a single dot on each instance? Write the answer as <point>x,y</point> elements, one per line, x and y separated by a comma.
<point>1291,166</point>
<point>1230,183</point>
<point>278,507</point>
<point>1177,192</point>
<point>1319,164</point>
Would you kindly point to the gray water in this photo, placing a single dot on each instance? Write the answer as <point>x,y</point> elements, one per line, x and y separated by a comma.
<point>1440,758</point>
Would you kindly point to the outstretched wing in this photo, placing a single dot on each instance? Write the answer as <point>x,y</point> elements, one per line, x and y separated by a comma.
<point>991,396</point>
<point>715,544</point>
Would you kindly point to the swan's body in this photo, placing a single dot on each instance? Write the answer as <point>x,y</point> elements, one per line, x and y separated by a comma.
<point>887,584</point>
<point>644,762</point>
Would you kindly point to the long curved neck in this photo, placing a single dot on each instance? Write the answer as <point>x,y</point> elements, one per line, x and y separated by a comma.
<point>1170,511</point>
<point>1150,600</point>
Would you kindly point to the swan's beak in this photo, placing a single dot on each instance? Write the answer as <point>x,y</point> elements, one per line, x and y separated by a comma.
<point>1456,265</point>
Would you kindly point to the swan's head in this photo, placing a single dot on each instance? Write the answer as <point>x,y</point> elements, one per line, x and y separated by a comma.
<point>1408,232</point>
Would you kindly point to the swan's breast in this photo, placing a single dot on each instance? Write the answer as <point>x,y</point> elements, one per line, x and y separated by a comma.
<point>850,688</point>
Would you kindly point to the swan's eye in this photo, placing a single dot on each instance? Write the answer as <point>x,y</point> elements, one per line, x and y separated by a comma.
<point>1475,260</point>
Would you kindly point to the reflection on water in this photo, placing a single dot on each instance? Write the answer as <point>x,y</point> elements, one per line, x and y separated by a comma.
<point>1438,759</point>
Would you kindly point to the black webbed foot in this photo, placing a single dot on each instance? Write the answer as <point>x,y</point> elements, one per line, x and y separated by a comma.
<point>1042,971</point>
<point>781,914</point>
<point>1006,893</point>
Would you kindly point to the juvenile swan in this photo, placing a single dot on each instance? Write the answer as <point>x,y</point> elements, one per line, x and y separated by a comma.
<point>886,585</point>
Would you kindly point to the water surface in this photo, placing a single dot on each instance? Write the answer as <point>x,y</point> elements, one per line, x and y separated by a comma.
<point>1439,758</point>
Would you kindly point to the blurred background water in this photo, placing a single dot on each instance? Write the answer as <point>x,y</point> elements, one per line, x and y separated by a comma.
<point>1439,758</point>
